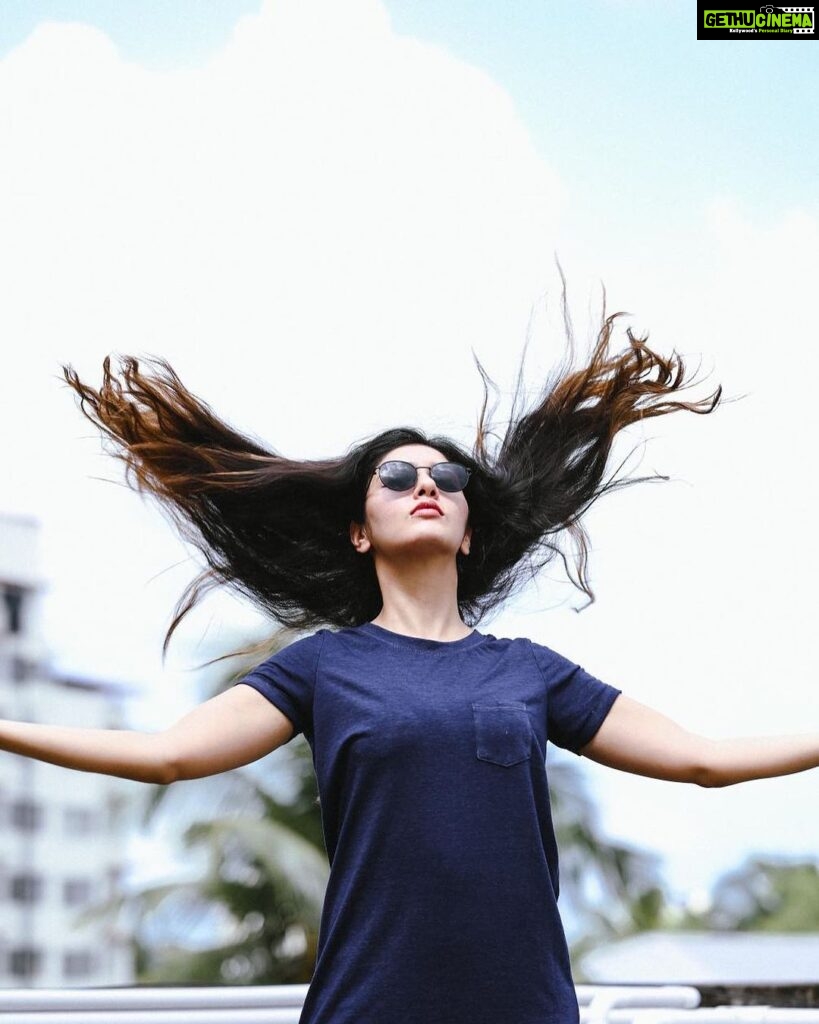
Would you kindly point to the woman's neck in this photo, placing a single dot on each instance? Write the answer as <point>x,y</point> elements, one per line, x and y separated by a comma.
<point>421,603</point>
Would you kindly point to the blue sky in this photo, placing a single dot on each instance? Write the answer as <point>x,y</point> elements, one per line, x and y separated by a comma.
<point>626,102</point>
<point>329,188</point>
<point>150,31</point>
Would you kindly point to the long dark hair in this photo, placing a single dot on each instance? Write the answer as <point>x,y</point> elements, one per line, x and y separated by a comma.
<point>277,530</point>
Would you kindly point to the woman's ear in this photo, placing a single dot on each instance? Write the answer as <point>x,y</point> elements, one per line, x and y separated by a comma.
<point>359,538</point>
<point>466,543</point>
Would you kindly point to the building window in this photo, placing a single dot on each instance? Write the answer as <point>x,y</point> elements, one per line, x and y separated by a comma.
<point>26,888</point>
<point>20,669</point>
<point>24,962</point>
<point>80,821</point>
<point>26,815</point>
<point>78,963</point>
<point>13,598</point>
<point>77,891</point>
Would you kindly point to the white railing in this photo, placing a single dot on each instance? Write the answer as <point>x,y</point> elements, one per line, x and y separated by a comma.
<point>281,1004</point>
<point>597,1002</point>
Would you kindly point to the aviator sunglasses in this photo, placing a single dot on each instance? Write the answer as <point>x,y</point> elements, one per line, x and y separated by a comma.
<point>402,476</point>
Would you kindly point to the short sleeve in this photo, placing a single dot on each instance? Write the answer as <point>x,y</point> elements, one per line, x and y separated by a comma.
<point>576,701</point>
<point>288,678</point>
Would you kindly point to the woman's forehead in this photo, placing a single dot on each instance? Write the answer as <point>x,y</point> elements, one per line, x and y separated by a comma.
<point>417,454</point>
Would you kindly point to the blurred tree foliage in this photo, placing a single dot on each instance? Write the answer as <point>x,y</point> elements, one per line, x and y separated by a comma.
<point>608,889</point>
<point>763,894</point>
<point>244,904</point>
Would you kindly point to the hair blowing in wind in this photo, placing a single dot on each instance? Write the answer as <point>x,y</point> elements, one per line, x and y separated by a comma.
<point>276,530</point>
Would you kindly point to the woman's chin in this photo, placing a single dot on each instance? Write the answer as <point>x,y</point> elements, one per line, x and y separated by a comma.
<point>432,547</point>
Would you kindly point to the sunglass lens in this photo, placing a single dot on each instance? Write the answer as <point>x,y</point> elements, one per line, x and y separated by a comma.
<point>398,476</point>
<point>450,476</point>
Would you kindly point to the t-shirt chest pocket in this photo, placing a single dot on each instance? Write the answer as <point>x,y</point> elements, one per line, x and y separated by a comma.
<point>503,732</point>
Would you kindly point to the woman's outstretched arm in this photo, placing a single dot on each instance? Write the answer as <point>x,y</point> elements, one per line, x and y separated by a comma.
<point>227,731</point>
<point>635,738</point>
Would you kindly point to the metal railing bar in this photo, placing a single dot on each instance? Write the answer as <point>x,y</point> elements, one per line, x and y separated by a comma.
<point>154,1016</point>
<point>205,997</point>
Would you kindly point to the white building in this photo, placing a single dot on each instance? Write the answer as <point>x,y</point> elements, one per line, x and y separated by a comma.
<point>62,842</point>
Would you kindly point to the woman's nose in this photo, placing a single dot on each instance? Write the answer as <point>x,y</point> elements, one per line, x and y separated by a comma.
<point>424,484</point>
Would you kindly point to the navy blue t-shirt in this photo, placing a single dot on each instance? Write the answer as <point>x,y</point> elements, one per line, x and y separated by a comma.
<point>441,904</point>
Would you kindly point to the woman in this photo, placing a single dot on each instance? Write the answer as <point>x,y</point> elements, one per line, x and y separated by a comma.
<point>428,736</point>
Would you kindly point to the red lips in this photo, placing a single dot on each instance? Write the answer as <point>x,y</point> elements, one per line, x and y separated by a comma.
<point>427,504</point>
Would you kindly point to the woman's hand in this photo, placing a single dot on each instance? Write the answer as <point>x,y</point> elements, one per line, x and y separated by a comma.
<point>635,738</point>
